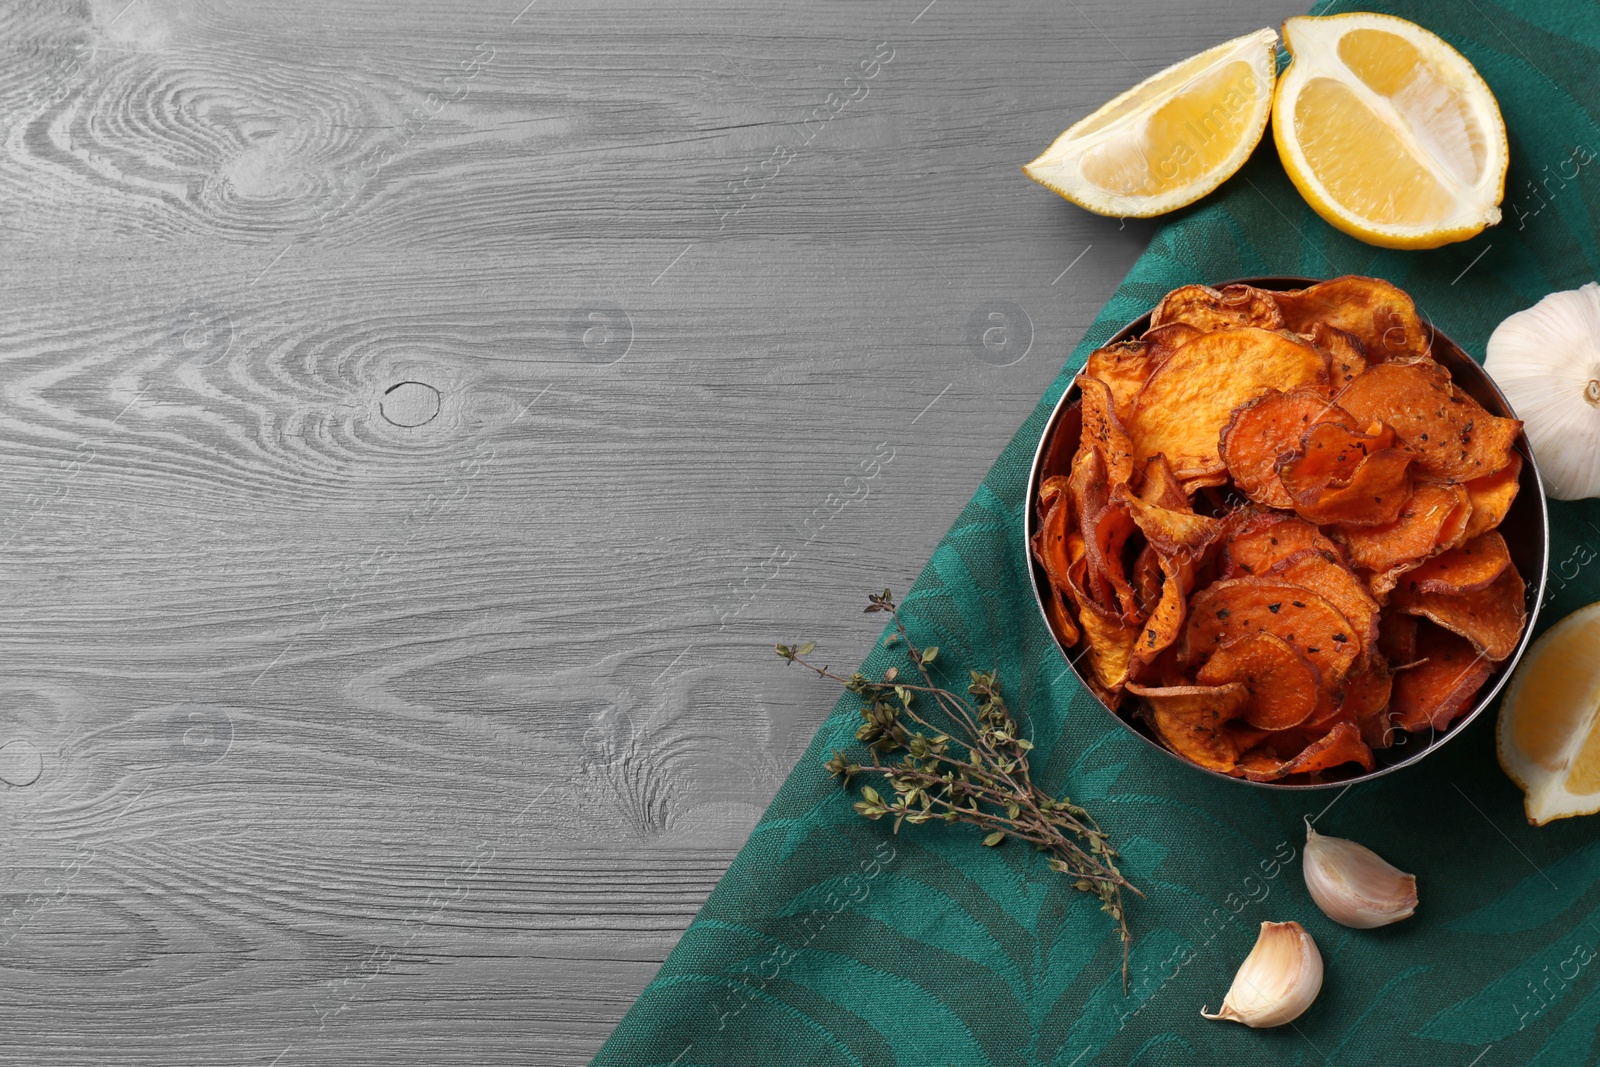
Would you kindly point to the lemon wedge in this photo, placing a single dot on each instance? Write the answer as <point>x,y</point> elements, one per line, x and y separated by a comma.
<point>1388,132</point>
<point>1172,138</point>
<point>1548,734</point>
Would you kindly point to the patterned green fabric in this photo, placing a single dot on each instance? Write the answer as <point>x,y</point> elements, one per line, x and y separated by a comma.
<point>831,942</point>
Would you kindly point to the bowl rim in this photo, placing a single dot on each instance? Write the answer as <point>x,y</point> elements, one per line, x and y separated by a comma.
<point>1486,696</point>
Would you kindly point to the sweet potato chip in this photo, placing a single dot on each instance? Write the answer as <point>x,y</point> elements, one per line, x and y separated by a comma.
<point>1365,702</point>
<point>1124,367</point>
<point>1491,618</point>
<point>1472,566</point>
<point>1061,449</point>
<point>1261,430</point>
<point>1168,338</point>
<point>1184,406</point>
<point>1105,537</point>
<point>1191,720</point>
<point>1342,350</point>
<point>1413,536</point>
<point>1453,533</point>
<point>1147,579</point>
<point>1229,609</point>
<point>1283,685</point>
<point>1492,495</point>
<point>1159,486</point>
<point>1383,318</point>
<point>1171,531</point>
<point>1339,586</point>
<point>1193,485</point>
<point>1103,430</point>
<point>1079,588</point>
<point>1342,476</point>
<point>1089,494</point>
<point>1329,451</point>
<point>1055,486</point>
<point>1450,433</point>
<point>1255,542</point>
<point>1127,365</point>
<point>1058,613</point>
<point>1165,621</point>
<point>1208,309</point>
<point>1110,656</point>
<point>1109,639</point>
<point>1437,690</point>
<point>1340,745</point>
<point>1178,538</point>
<point>1088,486</point>
<point>1050,549</point>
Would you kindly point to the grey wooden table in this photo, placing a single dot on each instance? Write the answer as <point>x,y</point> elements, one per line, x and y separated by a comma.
<point>420,419</point>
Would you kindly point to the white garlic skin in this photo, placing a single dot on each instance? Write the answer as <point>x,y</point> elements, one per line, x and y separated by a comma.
<point>1353,885</point>
<point>1547,361</point>
<point>1277,982</point>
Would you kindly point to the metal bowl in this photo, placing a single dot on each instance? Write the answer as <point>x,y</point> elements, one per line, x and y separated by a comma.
<point>1526,529</point>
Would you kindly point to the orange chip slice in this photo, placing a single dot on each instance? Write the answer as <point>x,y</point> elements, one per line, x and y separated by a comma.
<point>1441,687</point>
<point>1110,655</point>
<point>1365,702</point>
<point>1109,639</point>
<point>1340,745</point>
<point>1184,406</point>
<point>1050,549</point>
<point>1105,537</point>
<point>1124,367</point>
<point>1191,720</point>
<point>1492,496</point>
<point>1465,569</point>
<point>1451,434</point>
<point>1171,531</point>
<point>1283,685</point>
<point>1206,308</point>
<point>1261,430</point>
<point>1492,618</point>
<point>1383,318</point>
<point>1127,365</point>
<point>1229,609</point>
<point>1103,430</point>
<point>1415,534</point>
<point>1087,485</point>
<point>1161,487</point>
<point>1342,476</point>
<point>1343,351</point>
<point>1260,541</point>
<point>1165,622</point>
<point>1147,579</point>
<point>1198,482</point>
<point>1339,586</point>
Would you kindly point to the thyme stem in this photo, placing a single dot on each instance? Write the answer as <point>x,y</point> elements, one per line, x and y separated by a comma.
<point>975,771</point>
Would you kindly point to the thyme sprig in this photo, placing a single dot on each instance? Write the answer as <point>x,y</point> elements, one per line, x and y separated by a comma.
<point>973,769</point>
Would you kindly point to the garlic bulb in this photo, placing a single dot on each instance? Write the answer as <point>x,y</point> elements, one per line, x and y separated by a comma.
<point>1277,981</point>
<point>1353,885</point>
<point>1547,361</point>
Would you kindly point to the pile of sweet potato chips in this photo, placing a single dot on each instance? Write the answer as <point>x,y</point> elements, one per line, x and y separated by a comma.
<point>1277,533</point>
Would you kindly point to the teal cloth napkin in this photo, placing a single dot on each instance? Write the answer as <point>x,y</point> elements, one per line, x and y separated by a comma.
<point>831,941</point>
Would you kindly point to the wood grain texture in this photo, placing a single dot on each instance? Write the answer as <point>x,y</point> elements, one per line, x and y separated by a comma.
<point>420,739</point>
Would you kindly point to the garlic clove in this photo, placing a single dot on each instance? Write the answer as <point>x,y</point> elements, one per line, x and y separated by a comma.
<point>1277,982</point>
<point>1546,359</point>
<point>1353,885</point>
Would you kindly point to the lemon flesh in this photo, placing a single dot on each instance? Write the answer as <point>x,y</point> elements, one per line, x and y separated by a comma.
<point>1549,727</point>
<point>1169,140</point>
<point>1388,132</point>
